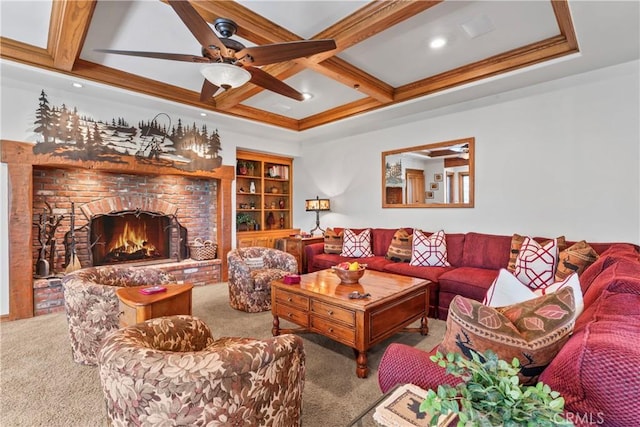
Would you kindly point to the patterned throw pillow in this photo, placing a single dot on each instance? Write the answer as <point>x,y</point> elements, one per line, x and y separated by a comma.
<point>332,242</point>
<point>254,263</point>
<point>516,244</point>
<point>507,290</point>
<point>400,247</point>
<point>536,263</point>
<point>356,245</point>
<point>429,251</point>
<point>575,259</point>
<point>533,331</point>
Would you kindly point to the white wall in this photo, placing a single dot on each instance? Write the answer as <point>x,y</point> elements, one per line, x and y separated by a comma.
<point>561,158</point>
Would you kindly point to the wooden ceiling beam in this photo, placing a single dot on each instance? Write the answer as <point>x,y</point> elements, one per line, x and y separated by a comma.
<point>340,112</point>
<point>368,21</point>
<point>532,54</point>
<point>259,30</point>
<point>68,26</point>
<point>25,53</point>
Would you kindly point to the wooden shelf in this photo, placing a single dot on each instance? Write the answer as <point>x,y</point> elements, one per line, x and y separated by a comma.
<point>265,198</point>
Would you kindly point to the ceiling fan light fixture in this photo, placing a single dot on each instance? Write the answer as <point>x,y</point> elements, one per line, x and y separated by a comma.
<point>225,75</point>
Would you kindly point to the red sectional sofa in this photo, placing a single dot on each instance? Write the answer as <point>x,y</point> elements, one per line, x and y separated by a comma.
<point>475,259</point>
<point>597,371</point>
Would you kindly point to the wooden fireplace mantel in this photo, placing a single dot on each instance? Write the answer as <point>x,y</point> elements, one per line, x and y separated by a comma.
<point>21,159</point>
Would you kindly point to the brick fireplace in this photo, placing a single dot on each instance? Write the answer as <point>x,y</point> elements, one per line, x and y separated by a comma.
<point>158,208</point>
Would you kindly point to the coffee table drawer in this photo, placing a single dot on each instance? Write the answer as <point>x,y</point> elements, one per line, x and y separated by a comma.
<point>334,330</point>
<point>292,314</point>
<point>299,301</point>
<point>333,312</point>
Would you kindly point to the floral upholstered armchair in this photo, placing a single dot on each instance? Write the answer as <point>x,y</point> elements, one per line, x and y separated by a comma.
<point>170,371</point>
<point>251,271</point>
<point>92,305</point>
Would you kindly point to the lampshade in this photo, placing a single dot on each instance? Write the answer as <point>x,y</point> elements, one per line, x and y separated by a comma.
<point>225,75</point>
<point>317,204</point>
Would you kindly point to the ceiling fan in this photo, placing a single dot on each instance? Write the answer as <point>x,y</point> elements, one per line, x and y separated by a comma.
<point>233,64</point>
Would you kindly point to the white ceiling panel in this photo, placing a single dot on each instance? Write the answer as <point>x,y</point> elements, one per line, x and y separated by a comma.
<point>304,18</point>
<point>26,20</point>
<point>326,94</point>
<point>515,24</point>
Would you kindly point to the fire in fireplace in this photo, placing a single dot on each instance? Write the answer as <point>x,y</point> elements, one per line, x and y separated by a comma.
<point>130,236</point>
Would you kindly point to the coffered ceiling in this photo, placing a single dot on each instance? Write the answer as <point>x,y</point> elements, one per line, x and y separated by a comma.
<point>383,58</point>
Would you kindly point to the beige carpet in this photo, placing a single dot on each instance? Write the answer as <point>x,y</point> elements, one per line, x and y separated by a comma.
<point>42,386</point>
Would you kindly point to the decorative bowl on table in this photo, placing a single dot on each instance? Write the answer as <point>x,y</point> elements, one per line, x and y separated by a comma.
<point>348,274</point>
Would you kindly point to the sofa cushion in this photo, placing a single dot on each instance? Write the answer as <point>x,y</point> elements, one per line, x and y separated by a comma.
<point>381,239</point>
<point>507,290</point>
<point>575,259</point>
<point>400,247</point>
<point>536,263</point>
<point>533,331</point>
<point>486,251</point>
<point>332,241</point>
<point>597,369</point>
<point>429,273</point>
<point>455,248</point>
<point>356,244</point>
<point>608,257</point>
<point>429,251</point>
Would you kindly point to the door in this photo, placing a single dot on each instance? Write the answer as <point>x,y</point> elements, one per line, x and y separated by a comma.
<point>415,186</point>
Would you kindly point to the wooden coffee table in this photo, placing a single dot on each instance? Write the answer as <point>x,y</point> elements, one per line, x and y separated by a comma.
<point>137,307</point>
<point>320,304</point>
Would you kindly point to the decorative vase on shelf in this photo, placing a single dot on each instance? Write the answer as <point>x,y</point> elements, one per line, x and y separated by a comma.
<point>281,203</point>
<point>252,187</point>
<point>271,220</point>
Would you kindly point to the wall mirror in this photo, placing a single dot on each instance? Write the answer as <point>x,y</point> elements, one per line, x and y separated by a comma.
<point>439,175</point>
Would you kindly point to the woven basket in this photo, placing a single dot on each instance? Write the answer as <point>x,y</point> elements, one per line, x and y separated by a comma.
<point>202,250</point>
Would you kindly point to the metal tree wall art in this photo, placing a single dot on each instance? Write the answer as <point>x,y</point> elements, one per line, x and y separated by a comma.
<point>67,133</point>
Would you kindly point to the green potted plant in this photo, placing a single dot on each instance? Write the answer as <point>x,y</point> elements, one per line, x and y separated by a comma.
<point>244,221</point>
<point>243,167</point>
<point>491,394</point>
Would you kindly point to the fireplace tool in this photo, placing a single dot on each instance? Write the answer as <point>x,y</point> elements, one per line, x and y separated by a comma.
<point>42,265</point>
<point>74,263</point>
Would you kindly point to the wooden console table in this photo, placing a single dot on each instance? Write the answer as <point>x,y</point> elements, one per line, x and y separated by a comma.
<point>295,246</point>
<point>136,307</point>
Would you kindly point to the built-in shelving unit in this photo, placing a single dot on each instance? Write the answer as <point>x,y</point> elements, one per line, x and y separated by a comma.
<point>263,198</point>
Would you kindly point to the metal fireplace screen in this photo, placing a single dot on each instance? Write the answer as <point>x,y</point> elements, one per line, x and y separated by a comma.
<point>130,237</point>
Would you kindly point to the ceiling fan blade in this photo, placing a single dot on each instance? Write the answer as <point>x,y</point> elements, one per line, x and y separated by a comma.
<point>279,52</point>
<point>208,90</point>
<point>159,55</point>
<point>267,81</point>
<point>198,26</point>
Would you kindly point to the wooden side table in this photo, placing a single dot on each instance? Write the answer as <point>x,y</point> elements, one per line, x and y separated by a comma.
<point>136,307</point>
<point>295,246</point>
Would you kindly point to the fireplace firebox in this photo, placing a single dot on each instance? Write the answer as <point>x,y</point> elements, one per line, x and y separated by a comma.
<point>130,236</point>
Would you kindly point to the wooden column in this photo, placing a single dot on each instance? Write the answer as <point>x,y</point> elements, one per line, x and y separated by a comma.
<point>20,182</point>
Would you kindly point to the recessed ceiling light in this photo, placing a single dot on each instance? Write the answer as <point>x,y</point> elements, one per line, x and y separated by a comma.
<point>76,84</point>
<point>203,114</point>
<point>437,43</point>
<point>307,96</point>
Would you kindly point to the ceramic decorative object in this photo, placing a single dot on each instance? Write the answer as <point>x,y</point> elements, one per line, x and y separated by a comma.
<point>348,277</point>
